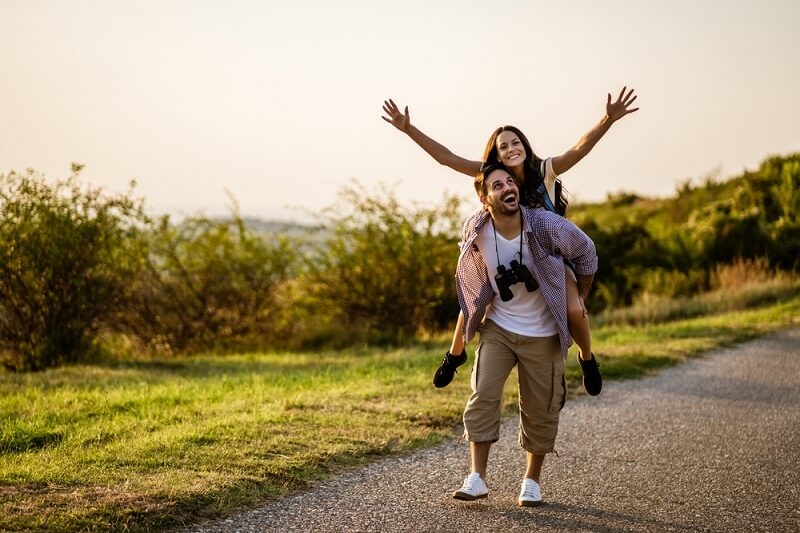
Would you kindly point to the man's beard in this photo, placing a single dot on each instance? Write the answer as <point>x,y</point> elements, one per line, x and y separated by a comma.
<point>502,209</point>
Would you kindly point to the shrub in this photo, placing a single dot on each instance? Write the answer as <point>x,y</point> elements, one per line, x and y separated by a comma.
<point>386,272</point>
<point>625,253</point>
<point>67,253</point>
<point>210,284</point>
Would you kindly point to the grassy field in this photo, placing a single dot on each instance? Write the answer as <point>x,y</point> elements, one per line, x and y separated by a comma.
<point>156,444</point>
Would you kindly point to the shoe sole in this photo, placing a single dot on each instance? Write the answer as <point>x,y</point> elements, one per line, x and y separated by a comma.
<point>592,392</point>
<point>442,385</point>
<point>528,503</point>
<point>463,496</point>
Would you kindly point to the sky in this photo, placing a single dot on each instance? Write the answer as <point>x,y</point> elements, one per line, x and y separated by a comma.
<point>277,104</point>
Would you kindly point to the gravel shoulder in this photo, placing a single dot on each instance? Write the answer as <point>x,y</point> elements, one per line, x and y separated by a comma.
<point>710,445</point>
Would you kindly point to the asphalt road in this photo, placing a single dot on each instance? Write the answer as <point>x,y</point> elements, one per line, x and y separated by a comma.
<point>710,445</point>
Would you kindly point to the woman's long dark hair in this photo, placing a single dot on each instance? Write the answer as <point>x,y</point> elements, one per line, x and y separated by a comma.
<point>531,175</point>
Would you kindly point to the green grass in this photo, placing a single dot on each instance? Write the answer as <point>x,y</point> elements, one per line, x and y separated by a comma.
<point>155,444</point>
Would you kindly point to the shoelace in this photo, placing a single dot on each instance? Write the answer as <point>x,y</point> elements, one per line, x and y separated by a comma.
<point>529,489</point>
<point>471,483</point>
<point>449,362</point>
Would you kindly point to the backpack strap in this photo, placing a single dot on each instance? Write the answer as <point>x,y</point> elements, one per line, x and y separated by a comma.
<point>542,190</point>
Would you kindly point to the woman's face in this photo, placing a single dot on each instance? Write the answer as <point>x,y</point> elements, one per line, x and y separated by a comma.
<point>510,149</point>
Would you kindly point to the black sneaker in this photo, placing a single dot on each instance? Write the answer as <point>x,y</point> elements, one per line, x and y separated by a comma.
<point>444,374</point>
<point>592,380</point>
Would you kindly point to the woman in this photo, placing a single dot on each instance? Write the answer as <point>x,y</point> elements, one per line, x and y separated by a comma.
<point>539,185</point>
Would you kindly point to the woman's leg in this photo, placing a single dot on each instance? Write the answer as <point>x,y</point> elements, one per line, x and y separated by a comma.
<point>577,317</point>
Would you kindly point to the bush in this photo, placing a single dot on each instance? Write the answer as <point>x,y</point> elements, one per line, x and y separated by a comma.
<point>625,253</point>
<point>67,254</point>
<point>210,284</point>
<point>386,272</point>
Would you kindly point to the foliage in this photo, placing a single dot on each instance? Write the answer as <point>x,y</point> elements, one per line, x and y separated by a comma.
<point>210,284</point>
<point>66,255</point>
<point>81,269</point>
<point>672,246</point>
<point>386,272</point>
<point>625,254</point>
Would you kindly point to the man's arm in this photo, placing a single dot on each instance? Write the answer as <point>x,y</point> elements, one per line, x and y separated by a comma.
<point>402,121</point>
<point>614,112</point>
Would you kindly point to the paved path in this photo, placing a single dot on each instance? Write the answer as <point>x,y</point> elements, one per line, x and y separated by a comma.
<point>710,445</point>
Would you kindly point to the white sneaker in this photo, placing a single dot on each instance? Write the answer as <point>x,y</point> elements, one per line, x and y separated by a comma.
<point>472,489</point>
<point>531,494</point>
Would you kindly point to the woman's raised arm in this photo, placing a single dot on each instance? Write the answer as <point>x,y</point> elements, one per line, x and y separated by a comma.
<point>402,121</point>
<point>614,111</point>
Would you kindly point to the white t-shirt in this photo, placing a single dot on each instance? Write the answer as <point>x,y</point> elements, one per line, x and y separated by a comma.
<point>526,313</point>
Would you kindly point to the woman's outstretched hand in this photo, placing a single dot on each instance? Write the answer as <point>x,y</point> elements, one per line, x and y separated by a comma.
<point>620,108</point>
<point>399,120</point>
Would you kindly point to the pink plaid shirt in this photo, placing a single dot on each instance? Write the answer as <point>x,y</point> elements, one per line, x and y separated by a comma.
<point>551,239</point>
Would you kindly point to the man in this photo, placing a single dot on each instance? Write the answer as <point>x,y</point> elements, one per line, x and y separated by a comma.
<point>510,284</point>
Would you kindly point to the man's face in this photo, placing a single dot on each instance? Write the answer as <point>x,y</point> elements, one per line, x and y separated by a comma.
<point>502,193</point>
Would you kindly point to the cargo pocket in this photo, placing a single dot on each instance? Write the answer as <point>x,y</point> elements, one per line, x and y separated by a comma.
<point>475,370</point>
<point>559,387</point>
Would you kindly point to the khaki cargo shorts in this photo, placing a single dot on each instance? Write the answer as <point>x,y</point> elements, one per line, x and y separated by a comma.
<point>542,387</point>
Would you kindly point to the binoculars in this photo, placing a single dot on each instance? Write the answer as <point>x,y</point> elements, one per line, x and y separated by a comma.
<point>518,273</point>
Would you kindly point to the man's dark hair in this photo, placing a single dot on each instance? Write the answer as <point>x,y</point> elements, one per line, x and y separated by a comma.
<point>480,178</point>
